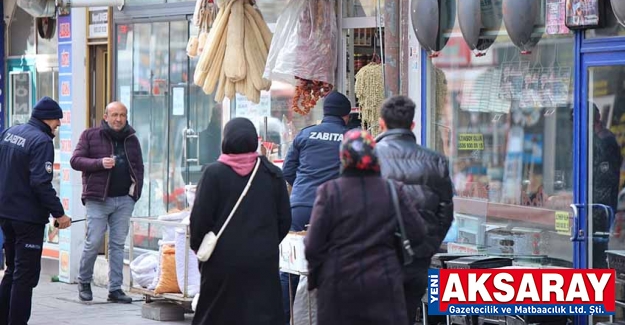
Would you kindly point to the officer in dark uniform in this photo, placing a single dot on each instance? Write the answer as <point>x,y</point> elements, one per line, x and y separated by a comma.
<point>27,199</point>
<point>312,160</point>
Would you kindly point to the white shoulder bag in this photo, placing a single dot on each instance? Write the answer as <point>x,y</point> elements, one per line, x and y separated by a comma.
<point>210,240</point>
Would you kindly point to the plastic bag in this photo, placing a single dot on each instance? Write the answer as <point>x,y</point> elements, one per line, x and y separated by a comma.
<point>168,281</point>
<point>304,44</point>
<point>305,304</point>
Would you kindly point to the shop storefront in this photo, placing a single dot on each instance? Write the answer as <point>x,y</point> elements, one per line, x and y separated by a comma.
<point>179,126</point>
<point>533,129</point>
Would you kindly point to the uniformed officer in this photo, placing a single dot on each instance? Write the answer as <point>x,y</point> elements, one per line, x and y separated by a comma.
<point>312,160</point>
<point>27,199</point>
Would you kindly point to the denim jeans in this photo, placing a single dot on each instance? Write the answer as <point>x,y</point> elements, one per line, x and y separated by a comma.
<point>114,212</point>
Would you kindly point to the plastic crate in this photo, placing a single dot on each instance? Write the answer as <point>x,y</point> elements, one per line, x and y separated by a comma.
<point>479,262</point>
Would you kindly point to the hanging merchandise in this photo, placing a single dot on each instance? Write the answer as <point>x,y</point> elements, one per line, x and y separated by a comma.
<point>431,20</point>
<point>206,15</point>
<point>235,53</point>
<point>303,52</point>
<point>521,19</point>
<point>480,21</point>
<point>369,89</point>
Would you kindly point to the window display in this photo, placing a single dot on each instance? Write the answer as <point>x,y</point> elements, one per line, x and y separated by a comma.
<point>504,121</point>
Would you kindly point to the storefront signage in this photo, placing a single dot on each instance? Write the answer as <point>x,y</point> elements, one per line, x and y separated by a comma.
<point>21,91</point>
<point>470,141</point>
<point>98,22</point>
<point>562,223</point>
<point>556,15</point>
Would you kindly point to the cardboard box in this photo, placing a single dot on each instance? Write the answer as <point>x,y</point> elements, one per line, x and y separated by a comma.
<point>292,258</point>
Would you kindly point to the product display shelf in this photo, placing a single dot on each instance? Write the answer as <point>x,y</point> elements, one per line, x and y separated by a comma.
<point>539,216</point>
<point>181,298</point>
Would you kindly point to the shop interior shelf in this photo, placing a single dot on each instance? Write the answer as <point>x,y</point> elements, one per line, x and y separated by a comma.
<point>541,216</point>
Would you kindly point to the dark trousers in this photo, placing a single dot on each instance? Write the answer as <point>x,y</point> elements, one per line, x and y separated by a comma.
<point>415,285</point>
<point>300,217</point>
<point>23,243</point>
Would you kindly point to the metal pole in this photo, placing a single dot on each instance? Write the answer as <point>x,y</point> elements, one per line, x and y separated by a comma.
<point>391,46</point>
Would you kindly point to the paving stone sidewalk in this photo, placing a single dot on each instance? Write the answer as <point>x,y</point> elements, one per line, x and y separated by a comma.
<point>57,303</point>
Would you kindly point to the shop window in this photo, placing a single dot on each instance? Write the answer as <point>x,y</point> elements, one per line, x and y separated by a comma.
<point>612,28</point>
<point>21,33</point>
<point>362,8</point>
<point>47,46</point>
<point>504,122</point>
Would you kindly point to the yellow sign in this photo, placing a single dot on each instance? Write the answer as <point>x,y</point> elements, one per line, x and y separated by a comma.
<point>470,141</point>
<point>562,223</point>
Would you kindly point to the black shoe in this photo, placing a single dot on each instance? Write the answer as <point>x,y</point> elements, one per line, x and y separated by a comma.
<point>84,292</point>
<point>119,296</point>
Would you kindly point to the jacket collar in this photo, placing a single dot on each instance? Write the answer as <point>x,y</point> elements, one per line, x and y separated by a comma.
<point>45,128</point>
<point>397,133</point>
<point>333,119</point>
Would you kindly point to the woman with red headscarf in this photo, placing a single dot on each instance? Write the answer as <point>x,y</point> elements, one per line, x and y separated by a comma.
<point>350,246</point>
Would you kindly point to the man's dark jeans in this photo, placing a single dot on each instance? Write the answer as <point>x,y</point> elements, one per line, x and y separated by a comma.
<point>23,243</point>
<point>415,285</point>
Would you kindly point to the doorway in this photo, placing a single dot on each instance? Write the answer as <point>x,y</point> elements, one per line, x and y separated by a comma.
<point>99,93</point>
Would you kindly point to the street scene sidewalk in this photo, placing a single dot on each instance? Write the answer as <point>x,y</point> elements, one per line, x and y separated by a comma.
<point>57,303</point>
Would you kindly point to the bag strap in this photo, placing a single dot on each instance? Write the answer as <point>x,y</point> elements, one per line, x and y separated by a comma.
<point>247,187</point>
<point>405,242</point>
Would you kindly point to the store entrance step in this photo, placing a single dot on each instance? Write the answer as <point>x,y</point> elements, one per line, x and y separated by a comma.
<point>162,311</point>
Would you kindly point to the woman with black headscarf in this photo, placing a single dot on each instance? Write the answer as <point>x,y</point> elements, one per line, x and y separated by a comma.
<point>350,245</point>
<point>240,283</point>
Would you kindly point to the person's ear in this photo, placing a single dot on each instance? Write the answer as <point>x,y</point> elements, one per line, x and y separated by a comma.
<point>412,126</point>
<point>382,125</point>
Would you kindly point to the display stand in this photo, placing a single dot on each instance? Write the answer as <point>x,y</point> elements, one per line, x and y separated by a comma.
<point>183,298</point>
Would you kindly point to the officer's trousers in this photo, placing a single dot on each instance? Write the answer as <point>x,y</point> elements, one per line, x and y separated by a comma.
<point>23,243</point>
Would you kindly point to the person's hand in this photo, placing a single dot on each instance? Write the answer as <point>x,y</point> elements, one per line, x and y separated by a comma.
<point>63,222</point>
<point>108,163</point>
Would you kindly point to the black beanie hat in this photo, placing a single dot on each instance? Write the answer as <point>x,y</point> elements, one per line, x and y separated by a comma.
<point>47,109</point>
<point>336,104</point>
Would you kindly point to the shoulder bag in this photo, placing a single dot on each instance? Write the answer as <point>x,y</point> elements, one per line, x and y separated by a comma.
<point>406,253</point>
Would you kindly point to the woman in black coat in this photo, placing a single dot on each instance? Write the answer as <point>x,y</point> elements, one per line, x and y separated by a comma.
<point>240,283</point>
<point>350,246</point>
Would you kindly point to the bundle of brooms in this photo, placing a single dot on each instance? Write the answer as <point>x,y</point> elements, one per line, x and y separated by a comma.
<point>233,60</point>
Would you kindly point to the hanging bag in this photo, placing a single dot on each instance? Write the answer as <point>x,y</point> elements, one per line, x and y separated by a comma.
<point>406,254</point>
<point>210,240</point>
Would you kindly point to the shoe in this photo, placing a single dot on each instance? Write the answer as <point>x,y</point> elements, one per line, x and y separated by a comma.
<point>119,296</point>
<point>84,292</point>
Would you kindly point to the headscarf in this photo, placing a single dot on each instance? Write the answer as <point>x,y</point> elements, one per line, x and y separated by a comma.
<point>239,137</point>
<point>239,146</point>
<point>357,151</point>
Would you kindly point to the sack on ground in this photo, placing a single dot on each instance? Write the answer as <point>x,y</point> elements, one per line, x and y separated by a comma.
<point>168,282</point>
<point>193,271</point>
<point>143,269</point>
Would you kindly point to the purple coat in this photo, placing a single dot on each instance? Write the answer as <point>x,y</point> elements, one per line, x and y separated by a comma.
<point>95,144</point>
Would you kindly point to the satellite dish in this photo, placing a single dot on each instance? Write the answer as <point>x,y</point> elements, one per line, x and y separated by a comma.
<point>429,19</point>
<point>480,22</point>
<point>520,18</point>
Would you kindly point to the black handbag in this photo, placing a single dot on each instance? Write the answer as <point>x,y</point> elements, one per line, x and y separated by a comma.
<point>406,254</point>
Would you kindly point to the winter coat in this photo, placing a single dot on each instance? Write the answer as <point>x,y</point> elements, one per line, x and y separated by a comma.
<point>26,172</point>
<point>353,259</point>
<point>313,159</point>
<point>426,176</point>
<point>95,144</point>
<point>240,282</point>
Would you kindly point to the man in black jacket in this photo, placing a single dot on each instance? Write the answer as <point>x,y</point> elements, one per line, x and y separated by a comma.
<point>426,175</point>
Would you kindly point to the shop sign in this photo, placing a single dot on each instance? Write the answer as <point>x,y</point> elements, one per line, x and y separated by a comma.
<point>21,91</point>
<point>562,223</point>
<point>98,22</point>
<point>556,15</point>
<point>470,141</point>
<point>583,14</point>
